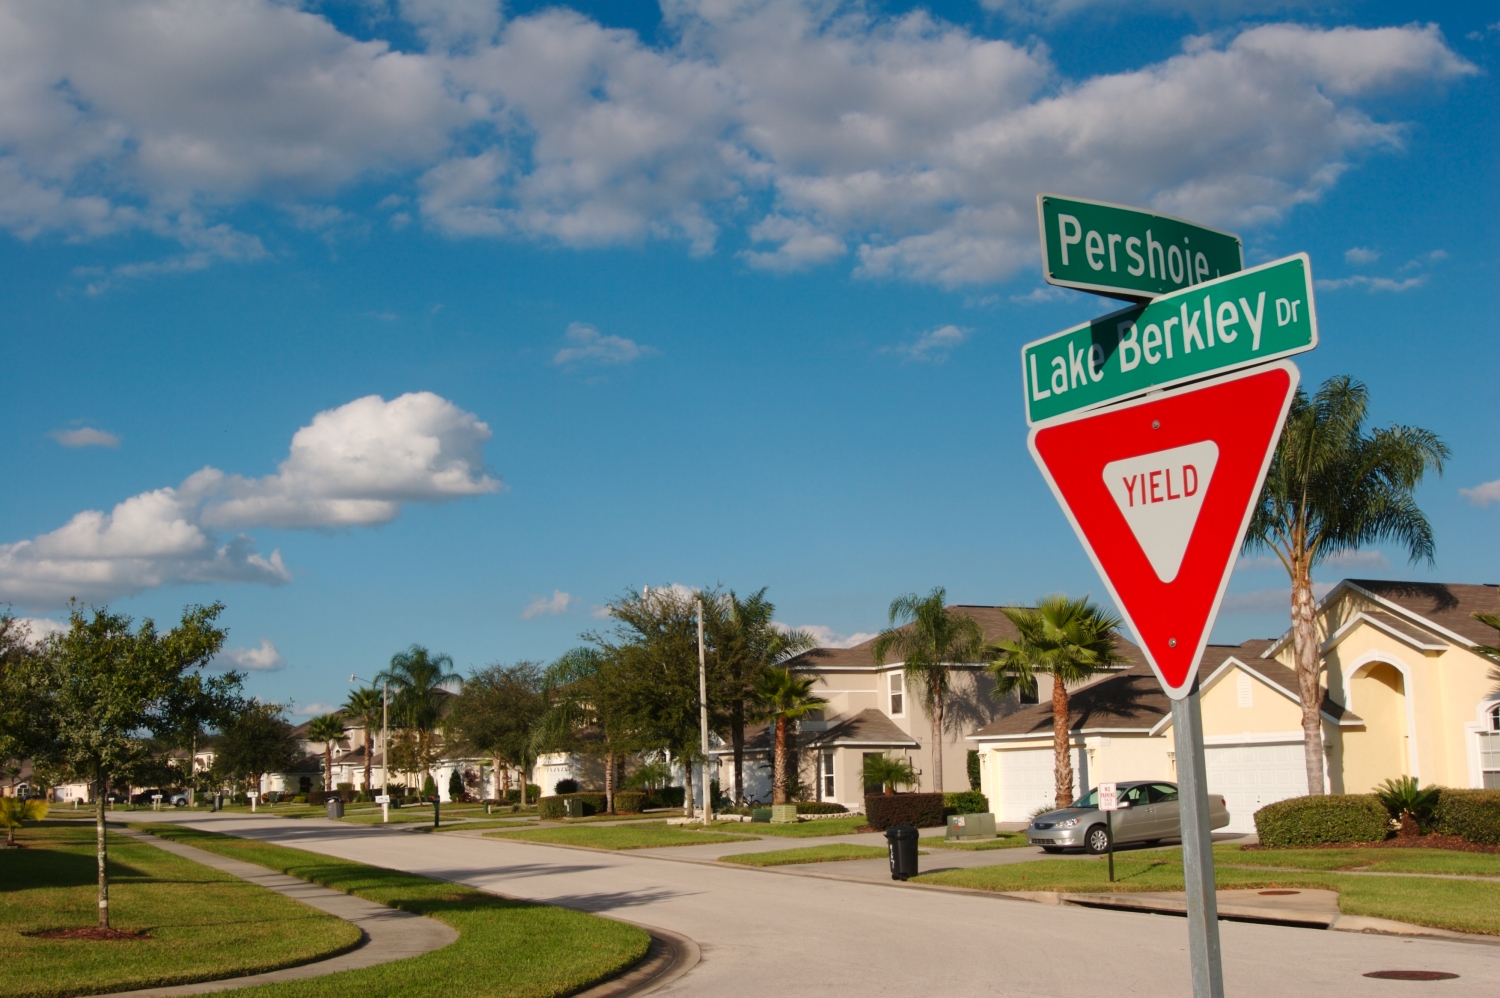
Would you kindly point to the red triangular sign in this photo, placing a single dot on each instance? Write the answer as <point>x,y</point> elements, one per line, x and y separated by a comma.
<point>1160,492</point>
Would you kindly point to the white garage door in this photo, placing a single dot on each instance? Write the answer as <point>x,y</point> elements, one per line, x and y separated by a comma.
<point>1027,781</point>
<point>1249,777</point>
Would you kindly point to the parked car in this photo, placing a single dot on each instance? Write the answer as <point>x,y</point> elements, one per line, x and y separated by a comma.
<point>1149,812</point>
<point>178,798</point>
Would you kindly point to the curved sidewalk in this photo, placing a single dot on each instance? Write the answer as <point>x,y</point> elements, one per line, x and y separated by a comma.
<point>388,934</point>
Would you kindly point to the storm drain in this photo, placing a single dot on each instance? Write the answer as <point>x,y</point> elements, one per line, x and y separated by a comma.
<point>1412,975</point>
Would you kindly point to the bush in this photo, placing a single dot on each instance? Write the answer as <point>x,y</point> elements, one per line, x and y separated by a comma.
<point>320,797</point>
<point>552,807</point>
<point>239,799</point>
<point>973,767</point>
<point>344,787</point>
<point>565,787</point>
<point>917,810</point>
<point>1473,814</point>
<point>666,797</point>
<point>533,792</point>
<point>300,799</point>
<point>630,801</point>
<point>968,802</point>
<point>1311,821</point>
<point>820,807</point>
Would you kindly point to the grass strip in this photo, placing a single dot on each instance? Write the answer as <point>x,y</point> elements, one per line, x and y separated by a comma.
<point>1460,905</point>
<point>982,845</point>
<point>203,924</point>
<point>809,854</point>
<point>630,836</point>
<point>515,949</point>
<point>1439,861</point>
<point>815,829</point>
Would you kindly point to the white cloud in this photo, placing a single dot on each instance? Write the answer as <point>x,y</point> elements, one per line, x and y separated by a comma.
<point>1482,495</point>
<point>264,658</point>
<point>1268,600</point>
<point>315,709</point>
<point>85,436</point>
<point>827,637</point>
<point>589,346</point>
<point>824,131</point>
<point>1344,560</point>
<point>558,602</point>
<point>1371,283</point>
<point>356,465</point>
<point>1360,255</point>
<point>934,345</point>
<point>40,629</point>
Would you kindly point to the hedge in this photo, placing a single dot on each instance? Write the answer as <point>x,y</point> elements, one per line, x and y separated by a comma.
<point>666,797</point>
<point>533,792</point>
<point>820,807</point>
<point>1473,814</point>
<point>968,802</point>
<point>552,807</point>
<point>630,801</point>
<point>917,810</point>
<point>321,797</point>
<point>1311,821</point>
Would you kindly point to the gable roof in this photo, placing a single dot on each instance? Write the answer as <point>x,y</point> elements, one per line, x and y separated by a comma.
<point>1281,678</point>
<point>869,727</point>
<point>1423,614</point>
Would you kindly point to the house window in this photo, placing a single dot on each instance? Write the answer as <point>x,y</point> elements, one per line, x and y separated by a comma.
<point>825,773</point>
<point>1489,751</point>
<point>898,694</point>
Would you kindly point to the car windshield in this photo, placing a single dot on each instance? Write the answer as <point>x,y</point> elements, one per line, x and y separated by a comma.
<point>1090,799</point>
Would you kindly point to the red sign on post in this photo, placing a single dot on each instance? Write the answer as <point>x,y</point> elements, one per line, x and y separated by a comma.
<point>1160,492</point>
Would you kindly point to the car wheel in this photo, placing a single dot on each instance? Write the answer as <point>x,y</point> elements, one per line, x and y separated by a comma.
<point>1098,840</point>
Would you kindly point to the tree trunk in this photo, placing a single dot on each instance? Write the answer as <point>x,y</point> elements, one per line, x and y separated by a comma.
<point>1062,759</point>
<point>687,786</point>
<point>327,767</point>
<point>937,742</point>
<point>369,760</point>
<point>102,852</point>
<point>778,764</point>
<point>1305,650</point>
<point>737,739</point>
<point>609,782</point>
<point>524,777</point>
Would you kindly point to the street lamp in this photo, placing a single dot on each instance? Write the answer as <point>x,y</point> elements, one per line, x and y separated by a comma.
<point>385,746</point>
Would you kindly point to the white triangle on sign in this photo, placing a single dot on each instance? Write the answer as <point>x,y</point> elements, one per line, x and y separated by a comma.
<point>1160,495</point>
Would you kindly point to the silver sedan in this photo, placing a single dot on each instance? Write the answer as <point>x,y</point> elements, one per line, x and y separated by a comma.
<point>1149,812</point>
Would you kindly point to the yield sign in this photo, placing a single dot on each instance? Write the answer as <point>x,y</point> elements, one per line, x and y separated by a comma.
<point>1160,491</point>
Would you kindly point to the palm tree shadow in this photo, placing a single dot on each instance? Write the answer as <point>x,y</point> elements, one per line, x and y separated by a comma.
<point>1127,697</point>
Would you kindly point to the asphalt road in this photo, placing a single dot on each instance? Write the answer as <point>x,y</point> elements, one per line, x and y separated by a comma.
<point>793,934</point>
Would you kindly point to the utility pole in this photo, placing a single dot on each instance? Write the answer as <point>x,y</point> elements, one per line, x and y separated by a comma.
<point>708,798</point>
<point>385,751</point>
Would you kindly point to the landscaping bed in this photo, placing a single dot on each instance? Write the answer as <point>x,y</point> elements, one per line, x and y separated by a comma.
<point>513,948</point>
<point>634,835</point>
<point>809,854</point>
<point>173,921</point>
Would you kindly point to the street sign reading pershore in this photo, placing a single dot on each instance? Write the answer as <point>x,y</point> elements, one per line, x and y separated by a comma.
<point>1257,315</point>
<point>1160,492</point>
<point>1128,253</point>
<point>1109,800</point>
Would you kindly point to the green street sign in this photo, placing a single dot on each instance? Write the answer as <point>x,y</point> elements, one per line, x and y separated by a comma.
<point>1247,318</point>
<point>1129,253</point>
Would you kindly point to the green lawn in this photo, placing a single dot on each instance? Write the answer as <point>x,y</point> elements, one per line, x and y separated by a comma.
<point>1478,864</point>
<point>505,948</point>
<point>203,924</point>
<point>809,854</point>
<point>628,836</point>
<point>1003,841</point>
<point>1462,905</point>
<point>800,830</point>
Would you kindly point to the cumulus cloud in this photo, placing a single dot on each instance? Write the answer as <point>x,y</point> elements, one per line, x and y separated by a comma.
<point>85,436</point>
<point>314,709</point>
<point>1268,600</point>
<point>827,637</point>
<point>586,345</point>
<point>1360,255</point>
<point>356,465</point>
<point>264,658</point>
<point>1482,495</point>
<point>814,132</point>
<point>1371,283</point>
<point>558,602</point>
<point>932,346</point>
<point>39,629</point>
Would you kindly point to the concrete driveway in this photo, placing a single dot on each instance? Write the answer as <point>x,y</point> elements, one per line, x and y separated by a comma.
<point>791,933</point>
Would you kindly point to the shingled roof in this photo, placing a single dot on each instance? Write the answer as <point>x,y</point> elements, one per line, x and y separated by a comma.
<point>869,727</point>
<point>1448,605</point>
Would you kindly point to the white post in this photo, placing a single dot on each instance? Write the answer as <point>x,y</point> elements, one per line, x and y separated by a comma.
<point>1197,848</point>
<point>708,799</point>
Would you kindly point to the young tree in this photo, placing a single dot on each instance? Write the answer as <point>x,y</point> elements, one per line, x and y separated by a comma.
<point>931,641</point>
<point>746,642</point>
<point>1332,487</point>
<point>782,697</point>
<point>257,740</point>
<point>23,732</point>
<point>495,712</point>
<point>364,706</point>
<point>583,712</point>
<point>1067,639</point>
<point>326,728</point>
<point>417,677</point>
<point>16,811</point>
<point>107,686</point>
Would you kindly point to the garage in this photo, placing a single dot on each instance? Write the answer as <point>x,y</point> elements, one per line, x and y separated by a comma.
<point>1249,777</point>
<point>1025,781</point>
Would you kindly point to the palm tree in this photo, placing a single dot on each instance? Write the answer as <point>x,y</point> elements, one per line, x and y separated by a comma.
<point>781,696</point>
<point>1333,488</point>
<point>934,639</point>
<point>326,728</point>
<point>364,706</point>
<point>495,713</point>
<point>578,700</point>
<point>886,773</point>
<point>1067,639</point>
<point>746,642</point>
<point>418,677</point>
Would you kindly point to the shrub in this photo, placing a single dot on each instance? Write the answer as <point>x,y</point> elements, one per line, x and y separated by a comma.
<point>429,786</point>
<point>820,807</point>
<point>345,787</point>
<point>455,785</point>
<point>1408,806</point>
<point>300,799</point>
<point>320,797</point>
<point>1311,821</point>
<point>967,802</point>
<point>533,792</point>
<point>917,810</point>
<point>552,807</point>
<point>1473,814</point>
<point>239,799</point>
<point>565,787</point>
<point>630,801</point>
<point>973,767</point>
<point>666,797</point>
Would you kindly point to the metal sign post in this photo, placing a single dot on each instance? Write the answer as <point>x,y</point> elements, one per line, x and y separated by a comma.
<point>1197,848</point>
<point>1109,803</point>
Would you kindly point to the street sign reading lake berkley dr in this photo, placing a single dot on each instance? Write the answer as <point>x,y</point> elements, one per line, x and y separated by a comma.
<point>1160,492</point>
<point>1249,318</point>
<point>1129,253</point>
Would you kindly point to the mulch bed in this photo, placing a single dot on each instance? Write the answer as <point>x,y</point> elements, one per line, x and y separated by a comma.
<point>90,932</point>
<point>1433,841</point>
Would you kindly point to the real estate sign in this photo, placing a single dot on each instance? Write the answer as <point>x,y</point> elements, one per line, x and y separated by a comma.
<point>1252,317</point>
<point>1128,253</point>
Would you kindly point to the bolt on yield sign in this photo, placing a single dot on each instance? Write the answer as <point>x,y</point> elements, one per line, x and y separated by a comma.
<point>1160,491</point>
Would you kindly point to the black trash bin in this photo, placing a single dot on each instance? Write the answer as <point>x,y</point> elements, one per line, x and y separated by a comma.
<point>335,807</point>
<point>901,841</point>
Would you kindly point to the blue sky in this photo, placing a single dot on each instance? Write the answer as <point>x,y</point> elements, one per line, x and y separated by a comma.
<point>607,295</point>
